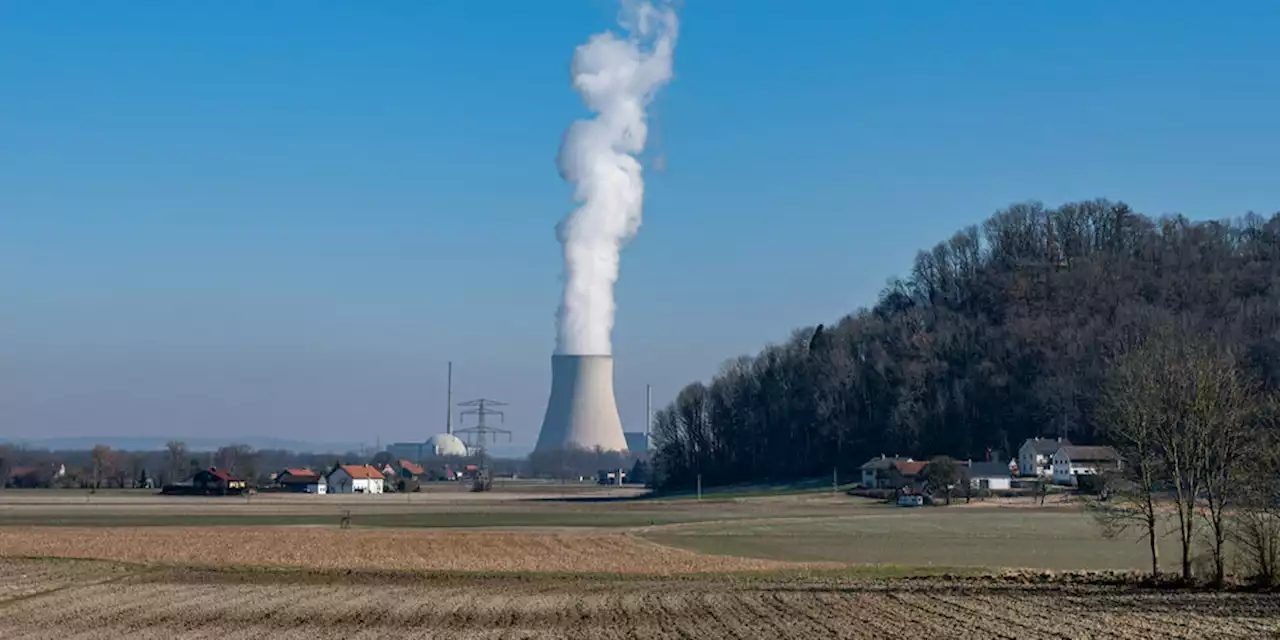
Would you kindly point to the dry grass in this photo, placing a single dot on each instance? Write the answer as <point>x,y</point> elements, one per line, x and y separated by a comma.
<point>204,604</point>
<point>331,548</point>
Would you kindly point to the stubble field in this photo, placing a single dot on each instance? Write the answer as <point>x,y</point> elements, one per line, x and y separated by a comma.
<point>793,567</point>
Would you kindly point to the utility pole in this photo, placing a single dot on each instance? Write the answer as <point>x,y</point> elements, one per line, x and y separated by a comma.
<point>648,417</point>
<point>448,402</point>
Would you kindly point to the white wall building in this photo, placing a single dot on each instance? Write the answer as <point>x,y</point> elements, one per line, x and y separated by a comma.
<point>990,476</point>
<point>1035,457</point>
<point>1072,461</point>
<point>350,478</point>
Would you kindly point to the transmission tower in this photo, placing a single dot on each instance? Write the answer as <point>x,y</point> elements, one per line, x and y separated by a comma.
<point>481,431</point>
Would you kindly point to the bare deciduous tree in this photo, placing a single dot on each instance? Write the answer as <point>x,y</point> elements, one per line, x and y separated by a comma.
<point>1256,526</point>
<point>176,462</point>
<point>101,461</point>
<point>1223,410</point>
<point>1130,414</point>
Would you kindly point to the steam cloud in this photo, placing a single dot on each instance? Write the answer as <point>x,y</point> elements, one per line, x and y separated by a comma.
<point>617,77</point>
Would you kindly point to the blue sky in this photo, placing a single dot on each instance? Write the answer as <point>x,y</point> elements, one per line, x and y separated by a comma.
<point>284,217</point>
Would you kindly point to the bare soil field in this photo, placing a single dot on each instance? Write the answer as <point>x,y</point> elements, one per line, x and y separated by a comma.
<point>192,603</point>
<point>333,548</point>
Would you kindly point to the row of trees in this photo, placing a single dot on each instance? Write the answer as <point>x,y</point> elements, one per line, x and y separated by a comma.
<point>104,467</point>
<point>1002,333</point>
<point>1198,435</point>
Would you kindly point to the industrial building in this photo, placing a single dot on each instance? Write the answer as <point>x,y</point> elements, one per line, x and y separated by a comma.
<point>581,410</point>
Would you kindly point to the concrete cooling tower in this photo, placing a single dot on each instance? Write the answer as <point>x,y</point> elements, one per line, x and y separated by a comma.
<point>581,411</point>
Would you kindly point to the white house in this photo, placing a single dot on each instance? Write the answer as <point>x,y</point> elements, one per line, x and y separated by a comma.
<point>1035,457</point>
<point>875,472</point>
<point>350,478</point>
<point>991,476</point>
<point>1071,461</point>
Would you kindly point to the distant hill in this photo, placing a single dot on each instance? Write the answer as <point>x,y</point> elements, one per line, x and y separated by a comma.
<point>153,443</point>
<point>1004,332</point>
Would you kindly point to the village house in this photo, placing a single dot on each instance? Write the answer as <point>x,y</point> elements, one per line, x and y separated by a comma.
<point>877,471</point>
<point>1071,461</point>
<point>987,476</point>
<point>411,470</point>
<point>217,482</point>
<point>34,476</point>
<point>1035,457</point>
<point>351,478</point>
<point>302,481</point>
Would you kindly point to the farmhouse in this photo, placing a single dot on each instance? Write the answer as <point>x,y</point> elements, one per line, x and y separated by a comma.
<point>217,482</point>
<point>302,481</point>
<point>989,476</point>
<point>1035,457</point>
<point>1071,461</point>
<point>36,476</point>
<point>877,473</point>
<point>350,478</point>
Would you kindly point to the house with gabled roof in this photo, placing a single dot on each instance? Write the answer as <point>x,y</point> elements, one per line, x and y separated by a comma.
<point>218,482</point>
<point>302,481</point>
<point>352,478</point>
<point>1035,456</point>
<point>1072,461</point>
<point>875,472</point>
<point>989,476</point>
<point>884,472</point>
<point>411,469</point>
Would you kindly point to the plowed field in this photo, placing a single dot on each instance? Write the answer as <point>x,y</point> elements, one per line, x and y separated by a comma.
<point>185,603</point>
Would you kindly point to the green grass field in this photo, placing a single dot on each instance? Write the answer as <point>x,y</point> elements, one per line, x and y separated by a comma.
<point>969,537</point>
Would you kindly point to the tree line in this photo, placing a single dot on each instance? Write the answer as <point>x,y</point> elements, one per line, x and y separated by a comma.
<point>103,467</point>
<point>1006,331</point>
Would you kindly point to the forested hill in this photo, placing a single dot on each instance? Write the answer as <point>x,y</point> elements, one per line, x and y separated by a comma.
<point>1003,332</point>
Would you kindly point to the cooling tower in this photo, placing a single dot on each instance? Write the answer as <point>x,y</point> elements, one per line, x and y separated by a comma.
<point>581,411</point>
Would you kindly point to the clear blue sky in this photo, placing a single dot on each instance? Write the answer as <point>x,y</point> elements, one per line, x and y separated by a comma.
<point>283,218</point>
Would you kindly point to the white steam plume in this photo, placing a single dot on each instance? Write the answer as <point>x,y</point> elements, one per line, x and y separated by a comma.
<point>617,77</point>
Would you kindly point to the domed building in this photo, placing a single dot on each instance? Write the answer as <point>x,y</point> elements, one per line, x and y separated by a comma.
<point>446,444</point>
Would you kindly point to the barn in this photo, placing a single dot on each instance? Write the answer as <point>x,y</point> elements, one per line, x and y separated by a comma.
<point>301,481</point>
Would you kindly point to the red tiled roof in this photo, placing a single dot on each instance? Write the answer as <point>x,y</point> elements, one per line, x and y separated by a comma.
<point>412,467</point>
<point>222,474</point>
<point>297,476</point>
<point>358,471</point>
<point>910,468</point>
<point>18,472</point>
